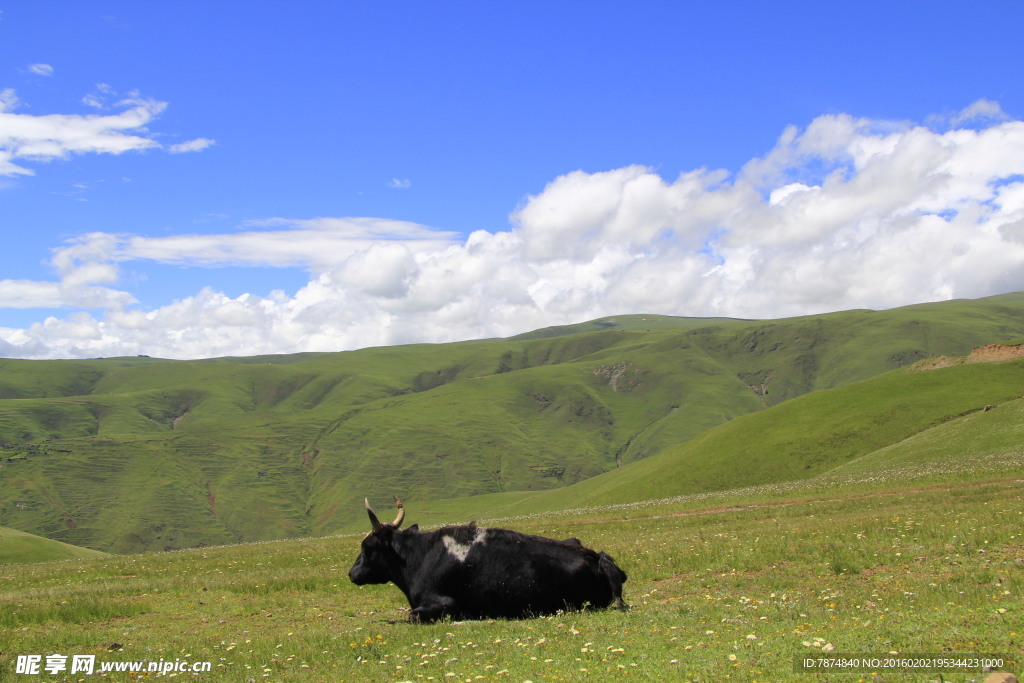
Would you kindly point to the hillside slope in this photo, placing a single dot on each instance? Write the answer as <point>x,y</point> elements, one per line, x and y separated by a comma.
<point>134,454</point>
<point>907,423</point>
<point>18,547</point>
<point>867,423</point>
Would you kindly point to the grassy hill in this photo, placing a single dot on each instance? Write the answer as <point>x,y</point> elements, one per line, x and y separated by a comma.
<point>132,454</point>
<point>960,419</point>
<point>20,547</point>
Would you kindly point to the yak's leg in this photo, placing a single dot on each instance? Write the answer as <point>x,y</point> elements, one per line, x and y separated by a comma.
<point>431,608</point>
<point>616,577</point>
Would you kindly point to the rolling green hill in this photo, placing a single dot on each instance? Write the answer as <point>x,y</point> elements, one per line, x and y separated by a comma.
<point>139,453</point>
<point>17,547</point>
<point>944,421</point>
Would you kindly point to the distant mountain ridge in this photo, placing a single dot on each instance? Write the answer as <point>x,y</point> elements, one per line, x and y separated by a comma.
<point>131,454</point>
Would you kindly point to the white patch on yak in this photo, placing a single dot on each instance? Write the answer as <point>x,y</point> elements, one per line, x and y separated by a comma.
<point>461,550</point>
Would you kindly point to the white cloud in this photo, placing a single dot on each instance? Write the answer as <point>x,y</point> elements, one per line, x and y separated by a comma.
<point>41,69</point>
<point>985,110</point>
<point>30,294</point>
<point>399,183</point>
<point>74,292</point>
<point>384,269</point>
<point>976,115</point>
<point>197,145</point>
<point>8,99</point>
<point>317,244</point>
<point>97,99</point>
<point>845,213</point>
<point>42,138</point>
<point>58,136</point>
<point>356,250</point>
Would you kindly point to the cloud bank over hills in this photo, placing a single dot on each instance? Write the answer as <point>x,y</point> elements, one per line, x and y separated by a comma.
<point>845,212</point>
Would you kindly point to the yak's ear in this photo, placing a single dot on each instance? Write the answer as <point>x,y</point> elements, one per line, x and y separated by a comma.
<point>414,527</point>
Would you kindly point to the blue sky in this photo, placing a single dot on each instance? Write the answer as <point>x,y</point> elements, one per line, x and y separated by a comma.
<point>188,179</point>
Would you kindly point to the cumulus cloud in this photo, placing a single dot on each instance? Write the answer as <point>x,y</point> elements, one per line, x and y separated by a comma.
<point>40,69</point>
<point>843,213</point>
<point>335,245</point>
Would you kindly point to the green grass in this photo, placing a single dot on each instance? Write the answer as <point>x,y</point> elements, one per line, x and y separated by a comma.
<point>734,590</point>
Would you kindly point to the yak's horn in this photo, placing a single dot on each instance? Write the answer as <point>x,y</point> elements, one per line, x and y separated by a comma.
<point>374,522</point>
<point>401,514</point>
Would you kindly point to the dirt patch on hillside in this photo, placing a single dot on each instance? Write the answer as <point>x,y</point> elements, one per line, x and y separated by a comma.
<point>994,353</point>
<point>937,362</point>
<point>990,353</point>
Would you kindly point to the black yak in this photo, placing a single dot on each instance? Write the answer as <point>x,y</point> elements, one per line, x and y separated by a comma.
<point>475,572</point>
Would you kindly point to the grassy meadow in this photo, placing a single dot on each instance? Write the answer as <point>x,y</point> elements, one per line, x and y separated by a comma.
<point>731,586</point>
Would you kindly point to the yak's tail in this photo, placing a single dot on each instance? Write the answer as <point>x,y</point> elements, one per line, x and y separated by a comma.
<point>616,577</point>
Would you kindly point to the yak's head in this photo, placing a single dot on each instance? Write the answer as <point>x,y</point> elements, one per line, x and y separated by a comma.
<point>377,555</point>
